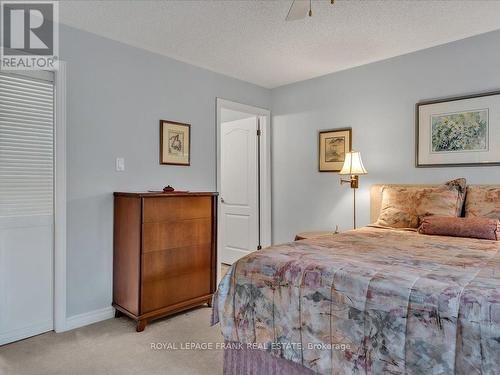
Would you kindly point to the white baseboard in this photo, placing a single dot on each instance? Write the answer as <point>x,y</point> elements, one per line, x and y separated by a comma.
<point>90,317</point>
<point>22,333</point>
<point>72,322</point>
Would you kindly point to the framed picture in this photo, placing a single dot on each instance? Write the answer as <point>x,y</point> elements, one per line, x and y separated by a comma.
<point>460,131</point>
<point>333,144</point>
<point>175,143</point>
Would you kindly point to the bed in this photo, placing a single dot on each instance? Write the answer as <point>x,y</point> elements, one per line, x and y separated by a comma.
<point>369,301</point>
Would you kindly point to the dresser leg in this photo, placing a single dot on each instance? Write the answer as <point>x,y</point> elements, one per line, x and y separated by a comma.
<point>209,302</point>
<point>118,313</point>
<point>141,325</point>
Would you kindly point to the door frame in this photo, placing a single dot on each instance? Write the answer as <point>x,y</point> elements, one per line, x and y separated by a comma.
<point>60,202</point>
<point>265,169</point>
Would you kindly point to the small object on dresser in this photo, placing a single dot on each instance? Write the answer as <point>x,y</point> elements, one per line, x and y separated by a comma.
<point>316,234</point>
<point>168,190</point>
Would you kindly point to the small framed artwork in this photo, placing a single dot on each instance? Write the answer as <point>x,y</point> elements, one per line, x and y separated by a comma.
<point>175,143</point>
<point>460,131</point>
<point>333,145</point>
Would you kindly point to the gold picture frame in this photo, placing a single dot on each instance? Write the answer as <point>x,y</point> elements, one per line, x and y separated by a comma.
<point>175,143</point>
<point>332,146</point>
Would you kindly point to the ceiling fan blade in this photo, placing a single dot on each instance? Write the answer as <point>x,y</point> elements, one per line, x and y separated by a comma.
<point>298,10</point>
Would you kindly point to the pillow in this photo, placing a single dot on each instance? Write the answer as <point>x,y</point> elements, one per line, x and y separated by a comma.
<point>473,227</point>
<point>404,206</point>
<point>483,201</point>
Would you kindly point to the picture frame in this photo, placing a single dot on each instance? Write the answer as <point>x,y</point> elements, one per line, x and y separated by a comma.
<point>461,131</point>
<point>175,143</point>
<point>332,146</point>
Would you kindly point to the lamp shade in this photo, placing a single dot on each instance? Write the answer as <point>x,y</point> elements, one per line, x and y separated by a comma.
<point>353,165</point>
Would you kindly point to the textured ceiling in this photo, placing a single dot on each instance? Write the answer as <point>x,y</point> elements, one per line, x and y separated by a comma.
<point>251,40</point>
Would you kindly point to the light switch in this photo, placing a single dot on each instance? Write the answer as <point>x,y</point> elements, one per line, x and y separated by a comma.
<point>120,164</point>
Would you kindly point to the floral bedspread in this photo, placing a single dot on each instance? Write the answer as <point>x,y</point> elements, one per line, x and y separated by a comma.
<point>370,301</point>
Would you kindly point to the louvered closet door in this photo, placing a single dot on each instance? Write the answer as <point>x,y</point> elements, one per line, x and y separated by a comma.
<point>26,205</point>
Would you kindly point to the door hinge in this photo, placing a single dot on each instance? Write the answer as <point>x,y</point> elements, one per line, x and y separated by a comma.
<point>258,132</point>
<point>259,247</point>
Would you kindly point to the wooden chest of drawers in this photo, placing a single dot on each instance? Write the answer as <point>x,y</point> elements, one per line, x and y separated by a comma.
<point>164,253</point>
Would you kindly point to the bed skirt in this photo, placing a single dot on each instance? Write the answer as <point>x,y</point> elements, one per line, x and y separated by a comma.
<point>243,361</point>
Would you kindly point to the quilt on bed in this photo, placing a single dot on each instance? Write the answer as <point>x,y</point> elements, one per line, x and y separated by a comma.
<point>370,301</point>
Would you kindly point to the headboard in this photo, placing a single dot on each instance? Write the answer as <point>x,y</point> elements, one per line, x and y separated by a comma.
<point>376,197</point>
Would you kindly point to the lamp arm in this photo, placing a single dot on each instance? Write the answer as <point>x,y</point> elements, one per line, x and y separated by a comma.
<point>354,181</point>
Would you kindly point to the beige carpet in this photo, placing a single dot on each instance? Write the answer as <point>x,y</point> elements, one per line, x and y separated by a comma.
<point>113,347</point>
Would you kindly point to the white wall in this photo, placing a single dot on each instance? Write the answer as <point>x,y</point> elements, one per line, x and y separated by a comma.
<point>378,102</point>
<point>116,96</point>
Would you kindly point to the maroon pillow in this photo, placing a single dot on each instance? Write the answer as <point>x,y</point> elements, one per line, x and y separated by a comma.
<point>472,227</point>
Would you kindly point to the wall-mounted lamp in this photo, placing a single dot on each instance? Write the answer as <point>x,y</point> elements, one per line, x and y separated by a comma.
<point>353,167</point>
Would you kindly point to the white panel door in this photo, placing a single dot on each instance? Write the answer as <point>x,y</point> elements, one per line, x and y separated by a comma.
<point>239,189</point>
<point>26,206</point>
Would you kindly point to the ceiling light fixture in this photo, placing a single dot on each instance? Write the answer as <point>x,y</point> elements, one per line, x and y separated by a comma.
<point>300,9</point>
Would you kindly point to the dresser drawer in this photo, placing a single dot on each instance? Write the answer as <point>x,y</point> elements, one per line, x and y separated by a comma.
<point>174,276</point>
<point>171,235</point>
<point>176,208</point>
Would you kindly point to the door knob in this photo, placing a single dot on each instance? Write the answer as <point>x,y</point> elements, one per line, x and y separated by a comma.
<point>221,200</point>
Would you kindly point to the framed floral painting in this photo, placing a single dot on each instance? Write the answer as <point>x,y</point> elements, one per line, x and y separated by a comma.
<point>333,145</point>
<point>175,143</point>
<point>460,131</point>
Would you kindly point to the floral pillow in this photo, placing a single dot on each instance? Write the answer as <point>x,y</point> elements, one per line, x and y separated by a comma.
<point>404,206</point>
<point>483,201</point>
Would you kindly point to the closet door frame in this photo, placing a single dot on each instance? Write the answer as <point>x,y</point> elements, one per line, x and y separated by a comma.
<point>60,318</point>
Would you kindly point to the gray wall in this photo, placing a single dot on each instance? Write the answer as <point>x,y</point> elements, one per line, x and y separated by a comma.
<point>116,96</point>
<point>378,102</point>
